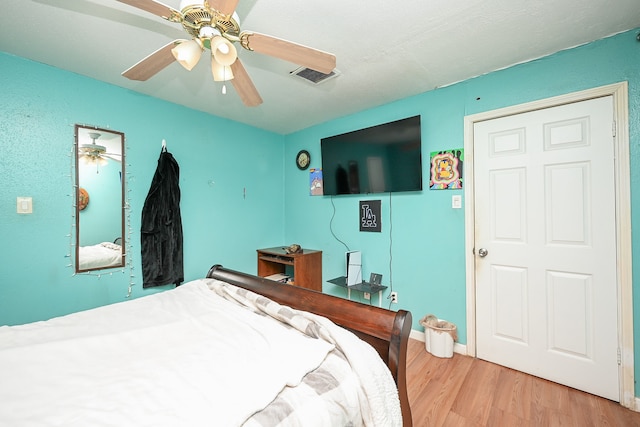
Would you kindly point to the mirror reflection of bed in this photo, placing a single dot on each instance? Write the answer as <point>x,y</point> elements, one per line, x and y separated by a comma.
<point>102,255</point>
<point>99,198</point>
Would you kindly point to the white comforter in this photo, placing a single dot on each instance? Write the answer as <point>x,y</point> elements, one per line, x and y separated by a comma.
<point>102,255</point>
<point>164,361</point>
<point>180,358</point>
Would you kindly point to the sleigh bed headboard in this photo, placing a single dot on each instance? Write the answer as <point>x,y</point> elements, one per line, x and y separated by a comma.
<point>385,330</point>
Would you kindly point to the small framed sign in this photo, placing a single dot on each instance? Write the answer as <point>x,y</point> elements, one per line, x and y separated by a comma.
<point>370,215</point>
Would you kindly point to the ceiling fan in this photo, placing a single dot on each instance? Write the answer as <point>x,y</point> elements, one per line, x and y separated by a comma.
<point>214,25</point>
<point>94,153</point>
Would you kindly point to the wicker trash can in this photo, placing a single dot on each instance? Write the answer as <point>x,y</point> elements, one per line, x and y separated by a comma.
<point>439,336</point>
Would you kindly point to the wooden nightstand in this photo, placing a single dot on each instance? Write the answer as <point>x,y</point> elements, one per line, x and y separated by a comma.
<point>306,266</point>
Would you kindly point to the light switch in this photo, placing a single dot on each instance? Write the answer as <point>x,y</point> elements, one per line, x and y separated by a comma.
<point>25,205</point>
<point>456,202</point>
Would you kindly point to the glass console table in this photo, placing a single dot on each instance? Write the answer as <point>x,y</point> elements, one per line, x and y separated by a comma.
<point>367,287</point>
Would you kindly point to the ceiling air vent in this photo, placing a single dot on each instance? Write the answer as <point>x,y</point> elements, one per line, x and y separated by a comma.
<point>314,76</point>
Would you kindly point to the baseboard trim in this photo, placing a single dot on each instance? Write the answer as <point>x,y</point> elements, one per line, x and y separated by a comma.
<point>457,347</point>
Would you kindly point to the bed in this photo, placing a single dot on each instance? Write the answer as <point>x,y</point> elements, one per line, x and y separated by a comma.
<point>213,351</point>
<point>102,255</point>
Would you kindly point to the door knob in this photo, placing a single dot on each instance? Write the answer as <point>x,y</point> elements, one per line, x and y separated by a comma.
<point>482,252</point>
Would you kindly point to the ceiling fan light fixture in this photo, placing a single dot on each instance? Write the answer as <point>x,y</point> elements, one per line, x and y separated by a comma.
<point>215,25</point>
<point>93,149</point>
<point>188,53</point>
<point>208,32</point>
<point>221,73</point>
<point>93,159</point>
<point>223,50</point>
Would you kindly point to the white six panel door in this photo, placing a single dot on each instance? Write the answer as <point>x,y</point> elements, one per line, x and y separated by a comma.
<point>545,214</point>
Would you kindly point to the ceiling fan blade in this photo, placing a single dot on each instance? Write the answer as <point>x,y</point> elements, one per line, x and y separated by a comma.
<point>244,86</point>
<point>298,54</point>
<point>152,64</point>
<point>154,7</point>
<point>114,157</point>
<point>225,7</point>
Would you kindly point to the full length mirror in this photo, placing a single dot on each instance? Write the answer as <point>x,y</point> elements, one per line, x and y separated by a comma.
<point>100,203</point>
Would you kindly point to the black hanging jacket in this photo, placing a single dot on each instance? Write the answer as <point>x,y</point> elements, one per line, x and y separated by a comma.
<point>161,231</point>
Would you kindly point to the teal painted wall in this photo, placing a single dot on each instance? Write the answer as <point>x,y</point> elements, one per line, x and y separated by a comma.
<point>422,238</point>
<point>39,108</point>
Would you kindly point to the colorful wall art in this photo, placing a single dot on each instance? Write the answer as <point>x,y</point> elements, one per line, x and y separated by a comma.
<point>446,169</point>
<point>315,182</point>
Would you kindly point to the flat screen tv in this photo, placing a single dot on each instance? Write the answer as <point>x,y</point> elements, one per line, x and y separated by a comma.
<point>379,159</point>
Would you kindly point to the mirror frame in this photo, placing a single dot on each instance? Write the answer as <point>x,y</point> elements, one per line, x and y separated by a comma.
<point>81,131</point>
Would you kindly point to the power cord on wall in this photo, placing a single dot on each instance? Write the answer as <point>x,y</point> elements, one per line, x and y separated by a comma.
<point>331,226</point>
<point>390,253</point>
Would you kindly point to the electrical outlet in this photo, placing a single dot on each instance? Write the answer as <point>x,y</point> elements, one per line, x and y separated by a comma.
<point>393,296</point>
<point>367,295</point>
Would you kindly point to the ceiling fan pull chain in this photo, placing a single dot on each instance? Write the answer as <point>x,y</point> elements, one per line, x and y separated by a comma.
<point>224,79</point>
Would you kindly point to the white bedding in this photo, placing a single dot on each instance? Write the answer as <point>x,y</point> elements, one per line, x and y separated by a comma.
<point>163,362</point>
<point>104,254</point>
<point>185,357</point>
<point>364,396</point>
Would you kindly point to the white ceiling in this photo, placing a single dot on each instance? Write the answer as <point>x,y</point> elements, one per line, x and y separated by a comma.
<point>386,50</point>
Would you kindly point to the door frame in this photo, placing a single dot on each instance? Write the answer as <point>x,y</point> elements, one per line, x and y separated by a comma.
<point>619,92</point>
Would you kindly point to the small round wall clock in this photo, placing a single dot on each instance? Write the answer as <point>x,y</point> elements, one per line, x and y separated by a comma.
<point>303,159</point>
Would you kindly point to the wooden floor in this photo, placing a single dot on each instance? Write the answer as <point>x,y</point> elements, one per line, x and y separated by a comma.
<point>464,391</point>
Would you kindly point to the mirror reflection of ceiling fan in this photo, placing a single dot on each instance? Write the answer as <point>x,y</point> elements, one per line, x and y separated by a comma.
<point>214,25</point>
<point>95,153</point>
